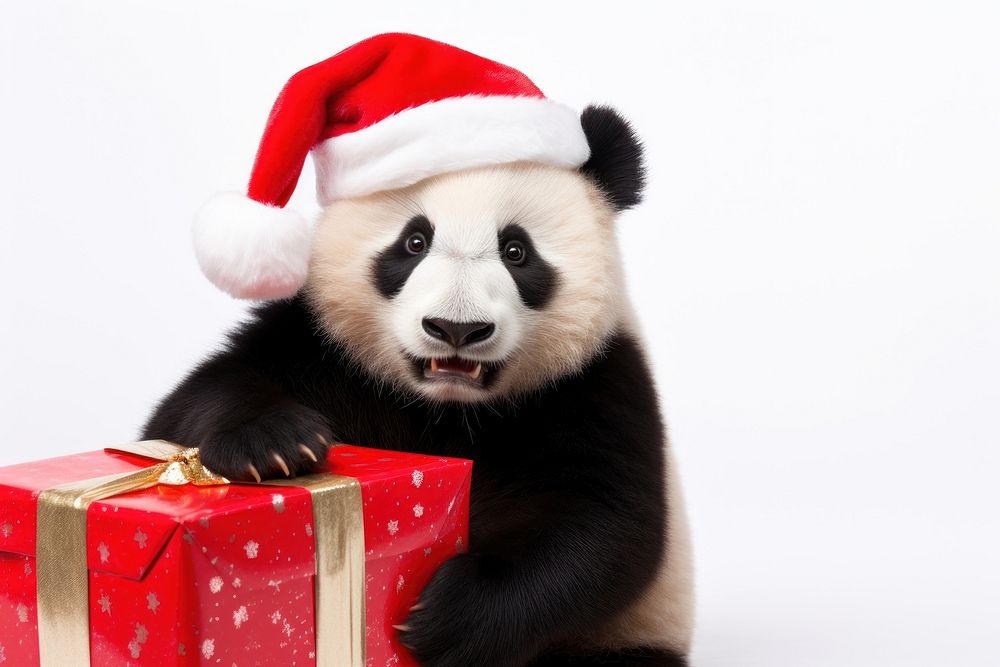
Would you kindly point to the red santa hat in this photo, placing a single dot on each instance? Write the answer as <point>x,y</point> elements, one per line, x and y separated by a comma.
<point>382,114</point>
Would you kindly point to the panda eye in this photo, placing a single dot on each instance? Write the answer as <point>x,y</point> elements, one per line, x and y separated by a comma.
<point>514,253</point>
<point>416,243</point>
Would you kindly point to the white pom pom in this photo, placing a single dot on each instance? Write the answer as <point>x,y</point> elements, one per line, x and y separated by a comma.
<point>252,250</point>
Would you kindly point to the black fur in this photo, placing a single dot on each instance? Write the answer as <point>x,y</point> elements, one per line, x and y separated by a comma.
<point>394,265</point>
<point>616,159</point>
<point>535,278</point>
<point>638,657</point>
<point>568,498</point>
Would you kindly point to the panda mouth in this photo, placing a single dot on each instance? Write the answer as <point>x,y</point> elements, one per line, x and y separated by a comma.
<point>468,372</point>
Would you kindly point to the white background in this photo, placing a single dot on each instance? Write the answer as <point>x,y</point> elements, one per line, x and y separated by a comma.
<point>816,267</point>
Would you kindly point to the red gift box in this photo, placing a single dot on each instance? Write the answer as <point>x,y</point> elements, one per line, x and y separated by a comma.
<point>192,575</point>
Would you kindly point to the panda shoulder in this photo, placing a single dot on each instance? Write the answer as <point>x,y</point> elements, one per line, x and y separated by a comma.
<point>617,380</point>
<point>278,328</point>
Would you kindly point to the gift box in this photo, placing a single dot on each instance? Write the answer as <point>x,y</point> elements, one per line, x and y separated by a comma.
<point>306,571</point>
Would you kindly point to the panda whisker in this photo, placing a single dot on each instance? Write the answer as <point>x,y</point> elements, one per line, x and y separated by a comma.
<point>409,403</point>
<point>475,413</point>
<point>491,409</point>
<point>423,432</point>
<point>468,426</point>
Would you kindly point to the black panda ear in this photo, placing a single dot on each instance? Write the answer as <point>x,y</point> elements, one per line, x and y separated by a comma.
<point>616,160</point>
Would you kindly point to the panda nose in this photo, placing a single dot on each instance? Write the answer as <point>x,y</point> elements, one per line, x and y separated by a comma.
<point>458,333</point>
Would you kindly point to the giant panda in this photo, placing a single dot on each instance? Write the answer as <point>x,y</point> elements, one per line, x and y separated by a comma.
<point>480,313</point>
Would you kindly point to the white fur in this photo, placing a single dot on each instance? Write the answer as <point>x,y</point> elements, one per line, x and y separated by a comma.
<point>445,136</point>
<point>252,250</point>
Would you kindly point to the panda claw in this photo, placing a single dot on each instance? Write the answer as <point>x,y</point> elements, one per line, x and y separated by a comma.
<point>308,453</point>
<point>253,471</point>
<point>402,627</point>
<point>321,439</point>
<point>281,464</point>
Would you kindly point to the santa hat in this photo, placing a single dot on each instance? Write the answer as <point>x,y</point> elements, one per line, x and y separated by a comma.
<point>382,114</point>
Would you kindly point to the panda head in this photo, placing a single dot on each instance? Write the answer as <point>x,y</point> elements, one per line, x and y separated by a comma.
<point>483,283</point>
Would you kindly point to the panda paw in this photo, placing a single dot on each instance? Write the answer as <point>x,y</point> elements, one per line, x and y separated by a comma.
<point>457,622</point>
<point>289,439</point>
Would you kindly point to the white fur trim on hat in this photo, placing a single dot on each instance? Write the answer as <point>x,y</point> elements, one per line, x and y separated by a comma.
<point>448,135</point>
<point>252,250</point>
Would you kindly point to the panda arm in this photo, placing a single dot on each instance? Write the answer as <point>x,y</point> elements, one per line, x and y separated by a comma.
<point>247,405</point>
<point>591,493</point>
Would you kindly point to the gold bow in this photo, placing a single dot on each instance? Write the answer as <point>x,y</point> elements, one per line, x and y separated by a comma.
<point>61,553</point>
<point>179,465</point>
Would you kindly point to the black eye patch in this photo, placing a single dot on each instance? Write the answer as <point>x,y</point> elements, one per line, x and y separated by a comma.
<point>535,278</point>
<point>393,266</point>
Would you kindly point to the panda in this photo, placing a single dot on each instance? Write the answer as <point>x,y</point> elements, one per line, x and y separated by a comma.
<point>480,313</point>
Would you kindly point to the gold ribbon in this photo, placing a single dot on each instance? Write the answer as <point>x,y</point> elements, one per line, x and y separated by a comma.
<point>61,553</point>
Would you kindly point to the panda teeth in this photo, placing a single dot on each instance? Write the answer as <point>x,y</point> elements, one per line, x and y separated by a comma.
<point>454,367</point>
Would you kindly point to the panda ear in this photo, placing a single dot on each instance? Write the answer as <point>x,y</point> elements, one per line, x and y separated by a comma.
<point>616,160</point>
